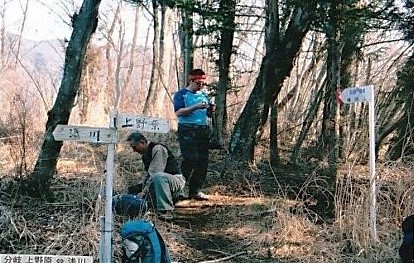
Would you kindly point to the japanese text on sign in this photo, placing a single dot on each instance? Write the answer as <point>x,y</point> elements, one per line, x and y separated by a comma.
<point>84,134</point>
<point>356,94</point>
<point>142,123</point>
<point>16,258</point>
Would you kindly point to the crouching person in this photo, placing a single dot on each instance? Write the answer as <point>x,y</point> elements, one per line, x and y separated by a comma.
<point>164,182</point>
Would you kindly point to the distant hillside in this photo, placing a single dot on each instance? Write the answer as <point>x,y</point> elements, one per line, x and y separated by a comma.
<point>42,56</point>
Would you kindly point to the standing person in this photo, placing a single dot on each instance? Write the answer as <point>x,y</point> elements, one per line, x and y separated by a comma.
<point>164,181</point>
<point>192,107</point>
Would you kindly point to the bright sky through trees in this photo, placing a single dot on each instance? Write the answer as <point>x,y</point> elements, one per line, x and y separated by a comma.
<point>50,19</point>
<point>43,21</point>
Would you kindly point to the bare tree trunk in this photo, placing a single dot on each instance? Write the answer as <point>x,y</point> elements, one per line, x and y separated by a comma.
<point>110,83</point>
<point>276,66</point>
<point>329,138</point>
<point>2,37</point>
<point>83,27</point>
<point>273,145</point>
<point>154,79</point>
<point>19,43</point>
<point>89,90</point>
<point>272,22</point>
<point>225,52</point>
<point>187,45</point>
<point>133,47</point>
<point>84,95</point>
<point>402,143</point>
<point>162,61</point>
<point>310,117</point>
<point>118,77</point>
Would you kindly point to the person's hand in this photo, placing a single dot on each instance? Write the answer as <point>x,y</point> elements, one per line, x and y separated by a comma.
<point>200,105</point>
<point>141,194</point>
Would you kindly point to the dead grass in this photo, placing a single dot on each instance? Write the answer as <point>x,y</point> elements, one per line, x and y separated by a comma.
<point>260,215</point>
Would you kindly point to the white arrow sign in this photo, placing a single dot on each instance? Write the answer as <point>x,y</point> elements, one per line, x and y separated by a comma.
<point>85,134</point>
<point>142,123</point>
<point>357,94</point>
<point>366,94</point>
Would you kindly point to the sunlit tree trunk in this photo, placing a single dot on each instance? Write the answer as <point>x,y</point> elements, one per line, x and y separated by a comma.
<point>84,96</point>
<point>88,90</point>
<point>45,167</point>
<point>131,64</point>
<point>186,42</point>
<point>110,75</point>
<point>162,61</point>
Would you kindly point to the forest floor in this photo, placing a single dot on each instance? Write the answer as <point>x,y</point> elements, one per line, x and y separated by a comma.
<point>258,214</point>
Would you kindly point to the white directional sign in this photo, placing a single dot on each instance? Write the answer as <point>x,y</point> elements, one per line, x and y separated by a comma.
<point>142,123</point>
<point>366,94</point>
<point>85,134</point>
<point>16,258</point>
<point>357,94</point>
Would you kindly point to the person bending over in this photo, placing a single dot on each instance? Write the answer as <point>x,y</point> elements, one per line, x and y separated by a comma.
<point>164,182</point>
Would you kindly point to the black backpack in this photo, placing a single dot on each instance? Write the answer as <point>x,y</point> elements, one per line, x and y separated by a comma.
<point>142,243</point>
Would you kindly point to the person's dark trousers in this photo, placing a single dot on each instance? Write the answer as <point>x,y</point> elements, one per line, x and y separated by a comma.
<point>194,146</point>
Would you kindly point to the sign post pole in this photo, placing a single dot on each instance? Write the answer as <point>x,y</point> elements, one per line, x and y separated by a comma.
<point>97,135</point>
<point>372,181</point>
<point>366,94</point>
<point>108,196</point>
<point>109,136</point>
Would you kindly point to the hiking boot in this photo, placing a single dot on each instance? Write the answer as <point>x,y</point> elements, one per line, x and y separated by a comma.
<point>165,215</point>
<point>200,196</point>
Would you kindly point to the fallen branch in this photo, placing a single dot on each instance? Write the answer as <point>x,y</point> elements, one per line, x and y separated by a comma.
<point>225,258</point>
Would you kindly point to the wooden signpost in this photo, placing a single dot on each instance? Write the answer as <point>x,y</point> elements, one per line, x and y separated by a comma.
<point>85,134</point>
<point>366,94</point>
<point>108,136</point>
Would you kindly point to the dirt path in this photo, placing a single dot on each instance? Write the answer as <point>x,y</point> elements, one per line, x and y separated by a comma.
<point>215,230</point>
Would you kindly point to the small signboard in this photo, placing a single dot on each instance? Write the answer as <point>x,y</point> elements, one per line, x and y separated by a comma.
<point>142,123</point>
<point>85,134</point>
<point>16,258</point>
<point>356,94</point>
